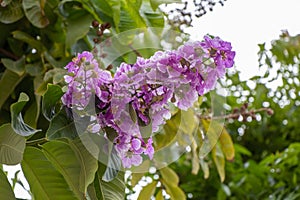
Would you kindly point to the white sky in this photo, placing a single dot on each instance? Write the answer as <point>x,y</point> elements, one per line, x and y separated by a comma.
<point>246,23</point>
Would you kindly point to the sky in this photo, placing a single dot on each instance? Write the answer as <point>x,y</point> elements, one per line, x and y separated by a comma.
<point>244,23</point>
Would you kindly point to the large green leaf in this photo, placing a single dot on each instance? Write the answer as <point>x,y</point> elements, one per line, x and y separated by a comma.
<point>76,18</point>
<point>12,146</point>
<point>50,99</point>
<point>63,158</point>
<point>17,67</point>
<point>5,188</point>
<point>88,163</point>
<point>73,161</point>
<point>104,6</point>
<point>11,12</point>
<point>61,126</point>
<point>35,13</point>
<point>8,83</point>
<point>130,18</point>
<point>44,180</point>
<point>74,33</point>
<point>113,190</point>
<point>17,121</point>
<point>148,191</point>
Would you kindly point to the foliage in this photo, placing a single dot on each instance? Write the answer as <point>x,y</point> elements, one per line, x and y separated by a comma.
<point>38,38</point>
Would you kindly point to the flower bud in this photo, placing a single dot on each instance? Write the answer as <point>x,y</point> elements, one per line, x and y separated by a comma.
<point>270,111</point>
<point>95,23</point>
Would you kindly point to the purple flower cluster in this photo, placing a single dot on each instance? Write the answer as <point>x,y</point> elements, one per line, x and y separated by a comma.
<point>138,97</point>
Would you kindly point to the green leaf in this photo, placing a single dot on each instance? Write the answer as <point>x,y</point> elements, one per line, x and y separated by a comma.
<point>56,74</point>
<point>17,121</point>
<point>135,178</point>
<point>242,150</point>
<point>159,195</point>
<point>63,158</point>
<point>12,146</point>
<point>73,161</point>
<point>19,35</point>
<point>8,83</point>
<point>35,69</point>
<point>61,126</point>
<point>169,175</point>
<point>32,113</point>
<point>104,6</point>
<point>183,122</point>
<point>165,137</point>
<point>152,18</point>
<point>148,191</point>
<point>113,190</point>
<point>130,18</point>
<point>17,67</point>
<point>173,190</point>
<point>5,188</point>
<point>88,163</point>
<point>156,3</point>
<point>195,158</point>
<point>219,161</point>
<point>113,165</point>
<point>11,13</point>
<point>132,113</point>
<point>44,180</point>
<point>35,13</point>
<point>213,130</point>
<point>227,145</point>
<point>52,95</point>
<point>205,168</point>
<point>116,8</point>
<point>83,20</point>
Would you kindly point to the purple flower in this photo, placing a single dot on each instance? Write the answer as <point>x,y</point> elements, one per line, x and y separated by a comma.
<point>141,93</point>
<point>133,159</point>
<point>149,148</point>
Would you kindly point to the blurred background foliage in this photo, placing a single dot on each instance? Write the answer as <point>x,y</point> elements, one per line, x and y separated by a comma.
<point>258,151</point>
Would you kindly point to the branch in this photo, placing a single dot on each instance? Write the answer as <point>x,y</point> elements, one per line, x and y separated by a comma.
<point>236,115</point>
<point>8,54</point>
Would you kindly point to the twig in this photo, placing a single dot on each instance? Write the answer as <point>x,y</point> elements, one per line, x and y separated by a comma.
<point>135,51</point>
<point>8,54</point>
<point>238,114</point>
